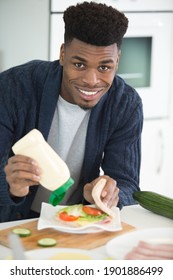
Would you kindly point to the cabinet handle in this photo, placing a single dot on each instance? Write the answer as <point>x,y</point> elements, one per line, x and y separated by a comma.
<point>161,151</point>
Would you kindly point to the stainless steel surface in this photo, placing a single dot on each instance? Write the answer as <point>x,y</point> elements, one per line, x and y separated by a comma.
<point>16,247</point>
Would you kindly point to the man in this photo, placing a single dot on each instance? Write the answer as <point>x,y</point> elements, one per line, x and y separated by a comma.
<point>88,115</point>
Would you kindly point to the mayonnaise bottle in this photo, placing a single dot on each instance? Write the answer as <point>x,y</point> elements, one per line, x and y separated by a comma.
<point>55,174</point>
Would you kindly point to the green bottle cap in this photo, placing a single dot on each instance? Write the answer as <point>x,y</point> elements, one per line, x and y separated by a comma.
<point>57,196</point>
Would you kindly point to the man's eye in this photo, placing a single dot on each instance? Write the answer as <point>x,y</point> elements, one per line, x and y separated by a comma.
<point>103,68</point>
<point>79,65</point>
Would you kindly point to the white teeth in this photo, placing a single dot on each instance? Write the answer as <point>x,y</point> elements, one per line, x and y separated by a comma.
<point>88,92</point>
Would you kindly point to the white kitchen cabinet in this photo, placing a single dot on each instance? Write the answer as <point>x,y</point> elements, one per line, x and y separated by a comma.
<point>157,157</point>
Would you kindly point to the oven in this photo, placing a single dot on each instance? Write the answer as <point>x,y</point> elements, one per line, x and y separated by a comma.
<point>147,49</point>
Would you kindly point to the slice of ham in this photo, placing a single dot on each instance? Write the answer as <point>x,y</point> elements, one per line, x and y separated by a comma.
<point>96,194</point>
<point>148,251</point>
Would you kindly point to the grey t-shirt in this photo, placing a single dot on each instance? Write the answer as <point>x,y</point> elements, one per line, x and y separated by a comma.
<point>67,137</point>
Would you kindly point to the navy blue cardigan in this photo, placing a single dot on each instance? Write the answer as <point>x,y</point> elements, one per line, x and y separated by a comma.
<point>28,98</point>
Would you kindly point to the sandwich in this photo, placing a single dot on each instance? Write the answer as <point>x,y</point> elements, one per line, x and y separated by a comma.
<point>79,215</point>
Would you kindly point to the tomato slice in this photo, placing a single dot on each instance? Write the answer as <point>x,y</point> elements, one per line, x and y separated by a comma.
<point>92,211</point>
<point>66,217</point>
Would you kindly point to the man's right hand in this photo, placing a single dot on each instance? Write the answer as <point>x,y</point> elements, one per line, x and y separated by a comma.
<point>21,173</point>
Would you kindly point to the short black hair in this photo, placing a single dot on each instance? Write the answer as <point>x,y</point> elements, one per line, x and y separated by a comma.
<point>94,23</point>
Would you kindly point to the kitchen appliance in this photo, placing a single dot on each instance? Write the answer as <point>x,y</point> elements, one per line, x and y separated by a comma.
<point>146,51</point>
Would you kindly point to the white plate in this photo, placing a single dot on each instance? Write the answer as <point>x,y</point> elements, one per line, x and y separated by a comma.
<point>61,254</point>
<point>48,220</point>
<point>118,247</point>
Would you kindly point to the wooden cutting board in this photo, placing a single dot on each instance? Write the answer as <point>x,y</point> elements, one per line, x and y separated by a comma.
<point>65,240</point>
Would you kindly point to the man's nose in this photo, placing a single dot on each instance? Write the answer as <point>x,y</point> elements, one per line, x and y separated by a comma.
<point>91,77</point>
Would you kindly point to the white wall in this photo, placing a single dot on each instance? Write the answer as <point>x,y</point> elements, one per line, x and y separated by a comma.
<point>24,31</point>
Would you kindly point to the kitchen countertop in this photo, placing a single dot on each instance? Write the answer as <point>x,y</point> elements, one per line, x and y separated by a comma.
<point>133,215</point>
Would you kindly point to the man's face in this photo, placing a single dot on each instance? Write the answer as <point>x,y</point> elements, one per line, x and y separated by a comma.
<point>88,72</point>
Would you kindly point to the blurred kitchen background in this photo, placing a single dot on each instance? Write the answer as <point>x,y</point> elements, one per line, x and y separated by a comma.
<point>33,29</point>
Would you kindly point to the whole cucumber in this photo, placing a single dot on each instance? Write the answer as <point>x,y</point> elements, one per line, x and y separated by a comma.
<point>155,202</point>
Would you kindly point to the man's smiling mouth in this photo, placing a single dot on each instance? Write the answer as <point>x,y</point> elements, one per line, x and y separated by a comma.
<point>89,93</point>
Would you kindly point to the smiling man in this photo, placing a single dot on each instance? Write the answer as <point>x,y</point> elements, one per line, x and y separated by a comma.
<point>88,115</point>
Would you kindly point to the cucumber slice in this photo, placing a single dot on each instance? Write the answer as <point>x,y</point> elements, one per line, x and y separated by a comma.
<point>22,232</point>
<point>47,242</point>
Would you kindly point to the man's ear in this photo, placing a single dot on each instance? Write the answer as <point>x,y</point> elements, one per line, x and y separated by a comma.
<point>61,56</point>
<point>118,59</point>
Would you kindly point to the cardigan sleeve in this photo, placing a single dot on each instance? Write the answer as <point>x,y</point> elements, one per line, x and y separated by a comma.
<point>8,120</point>
<point>122,153</point>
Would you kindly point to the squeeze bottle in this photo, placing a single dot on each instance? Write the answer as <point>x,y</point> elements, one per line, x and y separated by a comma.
<point>55,174</point>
